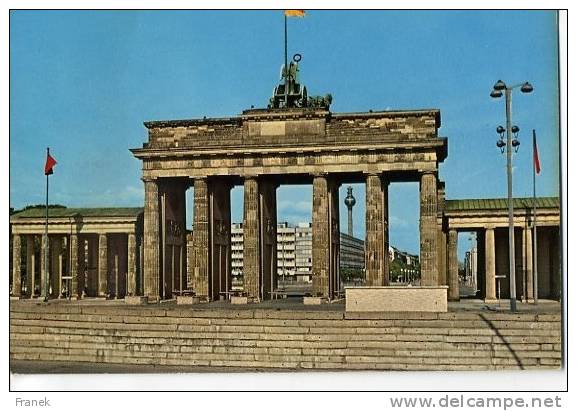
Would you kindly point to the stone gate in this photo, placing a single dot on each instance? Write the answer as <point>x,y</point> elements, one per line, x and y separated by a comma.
<point>261,149</point>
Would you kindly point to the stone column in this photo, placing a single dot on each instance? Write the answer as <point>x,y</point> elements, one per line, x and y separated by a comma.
<point>555,263</point>
<point>442,256</point>
<point>428,229</point>
<point>102,265</point>
<point>131,280</point>
<point>334,239</point>
<point>116,274</point>
<point>376,251</point>
<point>16,265</point>
<point>30,265</point>
<point>251,232</point>
<point>386,261</point>
<point>490,295</point>
<point>189,262</point>
<point>151,250</point>
<point>268,240</point>
<point>44,274</point>
<point>320,234</point>
<point>55,265</point>
<point>528,263</point>
<point>73,249</point>
<point>453,280</point>
<point>200,239</point>
<point>219,267</point>
<point>82,267</point>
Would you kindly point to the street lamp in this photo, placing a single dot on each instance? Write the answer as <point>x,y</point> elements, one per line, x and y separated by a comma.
<point>497,93</point>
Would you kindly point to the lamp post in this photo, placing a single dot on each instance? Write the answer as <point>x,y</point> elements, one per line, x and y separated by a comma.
<point>497,92</point>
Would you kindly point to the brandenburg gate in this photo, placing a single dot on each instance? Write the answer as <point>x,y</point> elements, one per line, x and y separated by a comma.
<point>302,143</point>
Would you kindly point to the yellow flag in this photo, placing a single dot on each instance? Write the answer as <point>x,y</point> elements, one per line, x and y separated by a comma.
<point>294,13</point>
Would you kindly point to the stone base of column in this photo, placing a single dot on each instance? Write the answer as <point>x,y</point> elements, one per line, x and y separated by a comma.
<point>135,299</point>
<point>491,301</point>
<point>187,299</point>
<point>13,298</point>
<point>314,300</point>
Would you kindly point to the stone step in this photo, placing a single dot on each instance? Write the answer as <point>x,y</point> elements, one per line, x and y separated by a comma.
<point>141,344</point>
<point>155,311</point>
<point>462,322</point>
<point>284,354</point>
<point>284,339</point>
<point>545,329</point>
<point>320,363</point>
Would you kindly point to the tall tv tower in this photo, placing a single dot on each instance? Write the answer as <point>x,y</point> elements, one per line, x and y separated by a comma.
<point>350,202</point>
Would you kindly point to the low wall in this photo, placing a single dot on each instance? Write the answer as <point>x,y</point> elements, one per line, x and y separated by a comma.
<point>395,299</point>
<point>283,339</point>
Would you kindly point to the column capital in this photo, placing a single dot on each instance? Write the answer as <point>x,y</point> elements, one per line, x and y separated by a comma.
<point>373,173</point>
<point>322,174</point>
<point>452,236</point>
<point>149,179</point>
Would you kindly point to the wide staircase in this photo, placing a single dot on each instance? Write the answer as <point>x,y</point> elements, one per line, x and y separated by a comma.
<point>283,339</point>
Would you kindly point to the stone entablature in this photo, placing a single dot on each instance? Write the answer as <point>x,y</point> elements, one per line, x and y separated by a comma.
<point>294,141</point>
<point>481,213</point>
<point>76,220</point>
<point>278,128</point>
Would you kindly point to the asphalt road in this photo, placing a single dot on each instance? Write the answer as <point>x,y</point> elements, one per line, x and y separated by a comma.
<point>59,367</point>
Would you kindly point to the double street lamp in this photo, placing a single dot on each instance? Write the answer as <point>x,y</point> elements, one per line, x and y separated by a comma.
<point>497,92</point>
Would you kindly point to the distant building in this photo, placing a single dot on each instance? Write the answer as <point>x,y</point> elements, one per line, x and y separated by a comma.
<point>352,252</point>
<point>294,252</point>
<point>304,252</point>
<point>471,267</point>
<point>286,248</point>
<point>236,245</point>
<point>405,257</point>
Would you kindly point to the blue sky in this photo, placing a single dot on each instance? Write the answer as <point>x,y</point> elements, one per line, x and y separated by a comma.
<point>83,83</point>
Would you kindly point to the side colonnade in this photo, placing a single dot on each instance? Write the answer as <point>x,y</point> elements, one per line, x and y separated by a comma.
<point>91,253</point>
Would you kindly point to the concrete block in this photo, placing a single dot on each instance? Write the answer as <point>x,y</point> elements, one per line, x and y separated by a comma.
<point>314,300</point>
<point>235,299</point>
<point>135,300</point>
<point>371,299</point>
<point>187,299</point>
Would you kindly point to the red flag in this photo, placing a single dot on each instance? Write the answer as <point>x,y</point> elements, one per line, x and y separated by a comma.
<point>536,161</point>
<point>50,162</point>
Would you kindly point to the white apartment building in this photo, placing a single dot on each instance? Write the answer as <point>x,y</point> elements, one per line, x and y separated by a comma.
<point>294,252</point>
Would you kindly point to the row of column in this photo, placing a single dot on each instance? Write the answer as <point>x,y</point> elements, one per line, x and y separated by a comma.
<point>209,261</point>
<point>487,260</point>
<point>68,261</point>
<point>524,276</point>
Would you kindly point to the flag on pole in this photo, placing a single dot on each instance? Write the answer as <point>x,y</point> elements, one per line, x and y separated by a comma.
<point>50,163</point>
<point>294,13</point>
<point>536,161</point>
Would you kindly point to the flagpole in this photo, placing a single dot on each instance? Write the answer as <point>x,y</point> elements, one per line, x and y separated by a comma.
<point>285,63</point>
<point>46,271</point>
<point>535,276</point>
